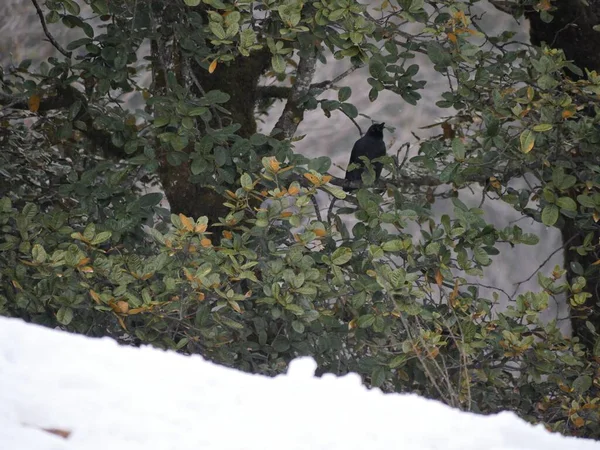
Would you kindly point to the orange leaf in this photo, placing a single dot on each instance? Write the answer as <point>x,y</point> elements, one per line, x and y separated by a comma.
<point>274,165</point>
<point>34,103</point>
<point>326,179</point>
<point>286,214</point>
<point>95,296</point>
<point>227,234</point>
<point>452,37</point>
<point>212,67</point>
<point>438,277</point>
<point>187,222</point>
<point>200,228</point>
<point>122,307</point>
<point>83,261</point>
<point>495,183</point>
<point>313,179</point>
<point>567,113</point>
<point>578,422</point>
<point>205,242</point>
<point>320,232</point>
<point>293,190</point>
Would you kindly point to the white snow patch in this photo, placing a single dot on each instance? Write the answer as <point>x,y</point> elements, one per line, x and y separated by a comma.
<point>113,397</point>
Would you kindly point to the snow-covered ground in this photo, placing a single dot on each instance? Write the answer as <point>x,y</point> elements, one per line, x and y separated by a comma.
<point>99,395</point>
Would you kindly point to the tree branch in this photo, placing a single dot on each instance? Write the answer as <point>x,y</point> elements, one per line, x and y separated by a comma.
<point>283,92</point>
<point>293,112</point>
<point>53,41</point>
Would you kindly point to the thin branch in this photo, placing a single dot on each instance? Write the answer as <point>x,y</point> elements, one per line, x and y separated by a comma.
<point>329,83</point>
<point>543,263</point>
<point>353,121</point>
<point>53,41</point>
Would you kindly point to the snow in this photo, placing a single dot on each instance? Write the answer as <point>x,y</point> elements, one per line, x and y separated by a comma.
<point>108,396</point>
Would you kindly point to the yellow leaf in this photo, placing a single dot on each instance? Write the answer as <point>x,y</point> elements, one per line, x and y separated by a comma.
<point>201,296</point>
<point>326,179</point>
<point>596,216</point>
<point>187,222</point>
<point>293,190</point>
<point>86,269</point>
<point>212,67</point>
<point>34,103</point>
<point>200,228</point>
<point>205,242</point>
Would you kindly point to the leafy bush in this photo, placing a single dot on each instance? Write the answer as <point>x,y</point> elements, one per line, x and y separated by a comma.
<point>260,276</point>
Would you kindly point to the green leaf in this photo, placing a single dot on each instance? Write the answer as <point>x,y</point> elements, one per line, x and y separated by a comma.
<point>152,199</point>
<point>336,191</point>
<point>481,256</point>
<point>458,148</point>
<point>101,237</point>
<point>438,54</point>
<point>377,376</point>
<point>542,127</point>
<point>550,215</point>
<point>365,321</point>
<point>278,63</point>
<point>350,110</point>
<point>567,203</point>
<point>64,315</point>
<point>527,140</point>
<point>586,201</point>
<point>246,182</point>
<point>192,2</point>
<point>217,30</point>
<point>344,93</point>
<point>393,246</point>
<point>341,256</point>
<point>38,253</point>
<point>582,384</point>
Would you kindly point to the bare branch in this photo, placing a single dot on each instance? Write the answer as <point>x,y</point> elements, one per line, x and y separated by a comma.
<point>53,41</point>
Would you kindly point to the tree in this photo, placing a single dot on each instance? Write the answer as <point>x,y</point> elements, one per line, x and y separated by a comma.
<point>244,269</point>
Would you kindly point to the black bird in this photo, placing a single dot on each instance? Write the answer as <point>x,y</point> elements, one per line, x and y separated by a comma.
<point>370,145</point>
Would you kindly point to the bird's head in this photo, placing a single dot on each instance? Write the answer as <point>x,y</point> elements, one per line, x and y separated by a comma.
<point>376,130</point>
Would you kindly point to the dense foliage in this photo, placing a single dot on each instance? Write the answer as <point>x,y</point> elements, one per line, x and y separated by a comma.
<point>259,276</point>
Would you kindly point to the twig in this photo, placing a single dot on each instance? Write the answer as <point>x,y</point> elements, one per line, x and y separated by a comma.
<point>353,121</point>
<point>53,41</point>
<point>562,247</point>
